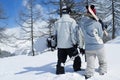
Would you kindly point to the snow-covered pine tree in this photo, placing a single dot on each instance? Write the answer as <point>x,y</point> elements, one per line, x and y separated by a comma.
<point>4,38</point>
<point>29,16</point>
<point>116,17</point>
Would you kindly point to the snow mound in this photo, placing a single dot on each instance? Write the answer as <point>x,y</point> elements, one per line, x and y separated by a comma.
<point>69,76</point>
<point>115,41</point>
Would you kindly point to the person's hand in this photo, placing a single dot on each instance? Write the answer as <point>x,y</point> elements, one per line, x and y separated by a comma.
<point>75,45</point>
<point>82,51</point>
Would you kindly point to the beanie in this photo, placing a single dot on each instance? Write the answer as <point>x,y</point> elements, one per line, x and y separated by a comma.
<point>92,8</point>
<point>66,10</point>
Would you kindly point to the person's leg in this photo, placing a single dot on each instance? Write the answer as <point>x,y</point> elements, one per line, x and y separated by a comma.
<point>102,61</point>
<point>72,52</point>
<point>90,56</point>
<point>77,64</point>
<point>62,56</point>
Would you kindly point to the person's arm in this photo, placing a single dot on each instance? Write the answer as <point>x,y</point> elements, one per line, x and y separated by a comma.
<point>80,38</point>
<point>54,31</point>
<point>54,35</point>
<point>73,33</point>
<point>81,41</point>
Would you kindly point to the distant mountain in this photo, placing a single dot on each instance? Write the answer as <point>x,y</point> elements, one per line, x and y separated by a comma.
<point>17,45</point>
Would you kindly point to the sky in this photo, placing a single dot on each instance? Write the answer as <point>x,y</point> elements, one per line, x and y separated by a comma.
<point>11,8</point>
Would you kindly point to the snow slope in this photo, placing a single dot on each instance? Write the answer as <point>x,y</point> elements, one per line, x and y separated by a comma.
<point>42,67</point>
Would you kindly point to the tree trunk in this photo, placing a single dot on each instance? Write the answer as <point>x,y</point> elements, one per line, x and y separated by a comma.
<point>113,14</point>
<point>60,8</point>
<point>32,39</point>
<point>87,2</point>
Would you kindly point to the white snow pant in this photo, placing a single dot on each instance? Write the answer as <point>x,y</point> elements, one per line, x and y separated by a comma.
<point>91,56</point>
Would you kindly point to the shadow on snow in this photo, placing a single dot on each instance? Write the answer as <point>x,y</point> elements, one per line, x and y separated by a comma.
<point>40,70</point>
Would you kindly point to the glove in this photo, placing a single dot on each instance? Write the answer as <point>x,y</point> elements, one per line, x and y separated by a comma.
<point>82,51</point>
<point>75,45</point>
<point>101,22</point>
<point>106,26</point>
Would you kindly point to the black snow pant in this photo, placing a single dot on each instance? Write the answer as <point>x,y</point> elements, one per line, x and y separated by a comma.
<point>62,56</point>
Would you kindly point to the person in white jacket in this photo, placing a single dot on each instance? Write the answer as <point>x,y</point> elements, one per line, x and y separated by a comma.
<point>65,29</point>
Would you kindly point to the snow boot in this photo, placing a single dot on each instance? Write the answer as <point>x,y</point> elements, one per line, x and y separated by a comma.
<point>86,76</point>
<point>60,70</point>
<point>77,64</point>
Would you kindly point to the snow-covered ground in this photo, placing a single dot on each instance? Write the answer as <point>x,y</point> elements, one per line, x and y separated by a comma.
<point>42,67</point>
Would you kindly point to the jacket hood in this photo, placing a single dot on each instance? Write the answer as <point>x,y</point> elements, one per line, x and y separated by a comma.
<point>88,21</point>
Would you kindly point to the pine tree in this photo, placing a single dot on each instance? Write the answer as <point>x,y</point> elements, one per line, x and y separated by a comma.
<point>3,17</point>
<point>28,16</point>
<point>116,14</point>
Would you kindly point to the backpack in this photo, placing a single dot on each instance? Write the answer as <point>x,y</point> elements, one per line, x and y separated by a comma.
<point>52,41</point>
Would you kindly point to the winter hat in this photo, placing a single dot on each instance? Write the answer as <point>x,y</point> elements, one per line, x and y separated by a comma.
<point>92,7</point>
<point>66,9</point>
<point>92,13</point>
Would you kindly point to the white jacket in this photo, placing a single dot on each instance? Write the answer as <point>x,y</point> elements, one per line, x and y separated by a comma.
<point>65,29</point>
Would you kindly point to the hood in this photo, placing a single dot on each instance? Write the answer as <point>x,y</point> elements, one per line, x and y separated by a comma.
<point>87,21</point>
